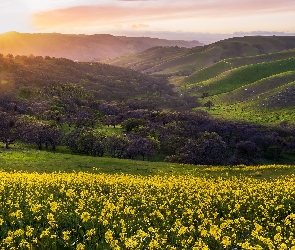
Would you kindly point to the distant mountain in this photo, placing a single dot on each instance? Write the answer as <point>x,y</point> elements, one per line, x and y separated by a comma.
<point>81,47</point>
<point>203,37</point>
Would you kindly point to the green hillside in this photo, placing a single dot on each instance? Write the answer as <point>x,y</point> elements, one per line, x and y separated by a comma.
<point>242,76</point>
<point>187,61</point>
<point>232,63</point>
<point>258,89</point>
<point>260,93</point>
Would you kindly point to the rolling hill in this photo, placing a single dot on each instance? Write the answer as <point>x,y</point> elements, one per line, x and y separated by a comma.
<point>25,76</point>
<point>232,63</point>
<point>81,47</point>
<point>259,92</point>
<point>184,62</point>
<point>245,78</point>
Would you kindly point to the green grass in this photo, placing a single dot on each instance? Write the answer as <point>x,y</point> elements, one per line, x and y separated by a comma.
<point>259,93</point>
<point>257,90</point>
<point>268,101</point>
<point>232,63</point>
<point>236,78</point>
<point>174,60</point>
<point>269,117</point>
<point>20,158</point>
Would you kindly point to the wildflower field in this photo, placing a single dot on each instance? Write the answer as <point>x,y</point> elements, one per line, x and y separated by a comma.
<point>121,211</point>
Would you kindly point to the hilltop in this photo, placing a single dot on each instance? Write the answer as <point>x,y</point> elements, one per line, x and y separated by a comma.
<point>81,47</point>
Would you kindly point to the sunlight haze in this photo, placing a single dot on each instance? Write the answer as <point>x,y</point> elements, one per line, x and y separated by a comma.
<point>143,17</point>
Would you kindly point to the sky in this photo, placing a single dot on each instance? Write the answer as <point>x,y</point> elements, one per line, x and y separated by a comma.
<point>144,17</point>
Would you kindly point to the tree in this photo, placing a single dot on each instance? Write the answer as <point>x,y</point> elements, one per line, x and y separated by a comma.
<point>208,148</point>
<point>269,143</point>
<point>145,147</point>
<point>245,152</point>
<point>87,141</point>
<point>42,133</point>
<point>132,124</point>
<point>117,145</point>
<point>7,129</point>
<point>205,94</point>
<point>209,104</point>
<point>9,56</point>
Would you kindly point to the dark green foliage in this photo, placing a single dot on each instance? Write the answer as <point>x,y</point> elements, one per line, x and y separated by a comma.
<point>46,133</point>
<point>208,148</point>
<point>7,128</point>
<point>270,144</point>
<point>245,152</point>
<point>117,145</point>
<point>144,147</point>
<point>132,124</point>
<point>87,141</point>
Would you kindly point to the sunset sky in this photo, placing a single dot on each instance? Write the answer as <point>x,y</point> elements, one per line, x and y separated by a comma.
<point>147,16</point>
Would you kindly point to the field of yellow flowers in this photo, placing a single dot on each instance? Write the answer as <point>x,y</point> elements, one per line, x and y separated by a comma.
<point>103,211</point>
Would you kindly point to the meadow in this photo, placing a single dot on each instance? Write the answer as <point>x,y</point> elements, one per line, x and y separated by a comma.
<point>63,201</point>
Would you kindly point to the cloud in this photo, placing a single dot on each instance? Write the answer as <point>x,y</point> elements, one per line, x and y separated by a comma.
<point>130,11</point>
<point>140,26</point>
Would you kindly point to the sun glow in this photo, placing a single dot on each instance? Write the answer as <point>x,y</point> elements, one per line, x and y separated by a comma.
<point>113,16</point>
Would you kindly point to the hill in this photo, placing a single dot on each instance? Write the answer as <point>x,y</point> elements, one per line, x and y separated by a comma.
<point>81,47</point>
<point>184,62</point>
<point>24,76</point>
<point>260,92</point>
<point>248,78</point>
<point>232,63</point>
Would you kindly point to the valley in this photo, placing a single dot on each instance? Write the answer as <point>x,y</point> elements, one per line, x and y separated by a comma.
<point>245,78</point>
<point>151,146</point>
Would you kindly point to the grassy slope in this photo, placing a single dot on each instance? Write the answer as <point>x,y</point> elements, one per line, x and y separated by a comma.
<point>148,59</point>
<point>31,160</point>
<point>232,63</point>
<point>242,76</point>
<point>259,92</point>
<point>184,61</point>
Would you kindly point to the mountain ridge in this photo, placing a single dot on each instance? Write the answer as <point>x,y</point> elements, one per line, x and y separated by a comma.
<point>81,47</point>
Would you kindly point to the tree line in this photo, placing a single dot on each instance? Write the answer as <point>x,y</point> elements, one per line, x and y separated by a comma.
<point>76,120</point>
<point>35,108</point>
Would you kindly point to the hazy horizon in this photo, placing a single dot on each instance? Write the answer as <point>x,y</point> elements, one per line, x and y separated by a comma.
<point>185,20</point>
<point>205,38</point>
